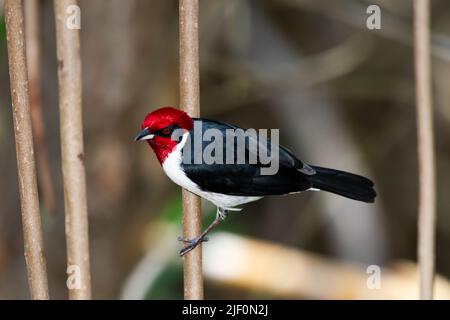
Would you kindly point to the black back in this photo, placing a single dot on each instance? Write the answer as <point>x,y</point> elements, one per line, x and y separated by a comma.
<point>244,179</point>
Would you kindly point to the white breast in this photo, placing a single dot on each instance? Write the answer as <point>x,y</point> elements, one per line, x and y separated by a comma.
<point>172,168</point>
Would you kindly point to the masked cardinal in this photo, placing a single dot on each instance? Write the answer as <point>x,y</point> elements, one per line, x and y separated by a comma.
<point>171,134</point>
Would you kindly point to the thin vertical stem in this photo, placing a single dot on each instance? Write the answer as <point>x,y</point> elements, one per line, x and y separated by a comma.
<point>29,199</point>
<point>427,188</point>
<point>34,70</point>
<point>69,76</point>
<point>190,102</point>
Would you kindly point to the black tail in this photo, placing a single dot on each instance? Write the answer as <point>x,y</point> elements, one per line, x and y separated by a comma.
<point>343,183</point>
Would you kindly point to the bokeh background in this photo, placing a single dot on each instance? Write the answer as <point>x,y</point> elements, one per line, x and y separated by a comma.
<point>342,96</point>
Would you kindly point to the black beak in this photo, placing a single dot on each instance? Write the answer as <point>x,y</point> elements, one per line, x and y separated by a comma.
<point>144,135</point>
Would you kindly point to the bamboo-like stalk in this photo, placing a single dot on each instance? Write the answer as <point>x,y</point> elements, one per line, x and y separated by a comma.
<point>427,188</point>
<point>69,77</point>
<point>34,70</point>
<point>29,199</point>
<point>190,102</point>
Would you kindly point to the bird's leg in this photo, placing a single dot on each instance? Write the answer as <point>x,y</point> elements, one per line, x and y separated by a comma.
<point>192,243</point>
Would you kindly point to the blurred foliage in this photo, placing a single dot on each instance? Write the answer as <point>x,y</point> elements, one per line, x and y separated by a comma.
<point>2,33</point>
<point>172,209</point>
<point>169,284</point>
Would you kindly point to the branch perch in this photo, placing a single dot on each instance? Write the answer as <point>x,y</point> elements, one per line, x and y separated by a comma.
<point>190,102</point>
<point>29,199</point>
<point>427,176</point>
<point>69,77</point>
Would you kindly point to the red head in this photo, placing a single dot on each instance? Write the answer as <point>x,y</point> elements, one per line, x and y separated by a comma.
<point>159,126</point>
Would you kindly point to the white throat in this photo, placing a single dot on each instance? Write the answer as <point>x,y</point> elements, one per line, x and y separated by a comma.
<point>172,168</point>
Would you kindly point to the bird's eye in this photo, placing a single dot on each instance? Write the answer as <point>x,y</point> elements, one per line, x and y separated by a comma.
<point>167,131</point>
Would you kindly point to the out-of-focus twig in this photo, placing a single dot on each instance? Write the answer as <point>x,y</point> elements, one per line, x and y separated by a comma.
<point>69,76</point>
<point>190,102</point>
<point>264,267</point>
<point>158,240</point>
<point>352,12</point>
<point>306,72</point>
<point>29,199</point>
<point>33,63</point>
<point>427,183</point>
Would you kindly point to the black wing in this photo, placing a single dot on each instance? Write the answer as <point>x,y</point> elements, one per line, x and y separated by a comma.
<point>243,179</point>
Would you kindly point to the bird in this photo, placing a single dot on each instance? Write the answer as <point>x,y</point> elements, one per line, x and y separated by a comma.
<point>172,135</point>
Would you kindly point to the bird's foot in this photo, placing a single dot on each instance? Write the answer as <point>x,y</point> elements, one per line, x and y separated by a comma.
<point>221,213</point>
<point>192,244</point>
